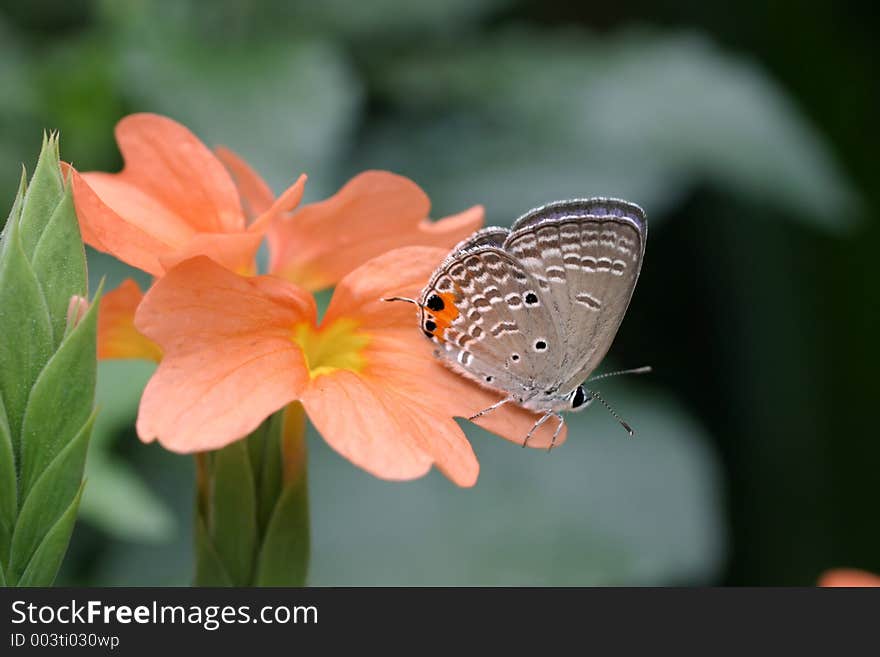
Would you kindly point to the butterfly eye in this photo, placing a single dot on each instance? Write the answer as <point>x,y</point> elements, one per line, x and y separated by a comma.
<point>579,397</point>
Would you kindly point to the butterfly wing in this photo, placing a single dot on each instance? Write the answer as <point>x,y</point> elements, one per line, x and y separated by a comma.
<point>488,236</point>
<point>586,256</point>
<point>486,313</point>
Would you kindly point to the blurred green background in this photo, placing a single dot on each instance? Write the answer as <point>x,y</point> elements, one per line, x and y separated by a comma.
<point>747,132</point>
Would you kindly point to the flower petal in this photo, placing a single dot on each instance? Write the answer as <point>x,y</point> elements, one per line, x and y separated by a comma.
<point>170,164</point>
<point>513,423</point>
<point>106,231</point>
<point>381,433</point>
<point>401,272</point>
<point>374,212</point>
<point>848,577</point>
<point>173,200</point>
<point>234,251</point>
<point>402,358</point>
<point>237,251</point>
<point>260,204</point>
<point>229,360</point>
<point>406,365</point>
<point>285,203</point>
<point>449,231</point>
<point>117,336</point>
<point>137,208</point>
<point>256,195</point>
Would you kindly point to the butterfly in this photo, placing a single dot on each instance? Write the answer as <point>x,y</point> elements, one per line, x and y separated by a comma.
<point>531,311</point>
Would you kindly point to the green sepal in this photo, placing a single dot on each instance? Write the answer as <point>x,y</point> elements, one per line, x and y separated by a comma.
<point>285,541</point>
<point>59,263</point>
<point>42,196</point>
<point>26,330</point>
<point>145,517</point>
<point>51,494</point>
<point>8,487</point>
<point>267,468</point>
<point>210,570</point>
<point>284,556</point>
<point>232,520</point>
<point>15,212</point>
<point>47,378</point>
<point>252,508</point>
<point>43,566</point>
<point>56,409</point>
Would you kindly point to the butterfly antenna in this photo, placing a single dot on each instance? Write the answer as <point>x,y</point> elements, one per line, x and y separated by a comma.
<point>623,423</point>
<point>407,299</point>
<point>638,370</point>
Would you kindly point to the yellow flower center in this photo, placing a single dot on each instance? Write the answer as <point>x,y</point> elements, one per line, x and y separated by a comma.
<point>338,346</point>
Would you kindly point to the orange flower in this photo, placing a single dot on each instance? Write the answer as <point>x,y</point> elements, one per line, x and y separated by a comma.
<point>848,577</point>
<point>237,349</point>
<point>173,200</point>
<point>374,212</point>
<point>117,336</point>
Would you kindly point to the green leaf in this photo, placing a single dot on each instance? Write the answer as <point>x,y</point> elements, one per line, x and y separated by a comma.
<point>26,329</point>
<point>59,263</point>
<point>117,393</point>
<point>232,511</point>
<point>22,106</point>
<point>269,469</point>
<point>122,504</point>
<point>48,499</point>
<point>256,442</point>
<point>2,576</point>
<point>43,567</point>
<point>253,528</point>
<point>117,499</point>
<point>43,194</point>
<point>379,20</point>
<point>640,115</point>
<point>284,552</point>
<point>15,212</point>
<point>8,487</point>
<point>284,556</point>
<point>46,385</point>
<point>56,409</point>
<point>210,570</point>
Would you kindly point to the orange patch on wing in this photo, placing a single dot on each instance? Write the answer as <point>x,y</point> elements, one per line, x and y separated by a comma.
<point>444,318</point>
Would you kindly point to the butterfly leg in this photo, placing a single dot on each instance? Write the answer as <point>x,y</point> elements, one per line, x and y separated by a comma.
<point>535,426</point>
<point>558,430</point>
<point>491,408</point>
